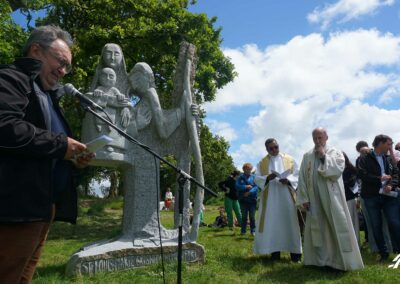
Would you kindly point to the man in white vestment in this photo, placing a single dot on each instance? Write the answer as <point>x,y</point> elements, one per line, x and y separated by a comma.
<point>277,225</point>
<point>329,238</point>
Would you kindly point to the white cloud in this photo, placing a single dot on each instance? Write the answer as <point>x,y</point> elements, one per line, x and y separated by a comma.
<point>223,129</point>
<point>309,82</point>
<point>345,10</point>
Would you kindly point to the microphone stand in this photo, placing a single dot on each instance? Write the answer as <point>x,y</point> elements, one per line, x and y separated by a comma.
<point>183,177</point>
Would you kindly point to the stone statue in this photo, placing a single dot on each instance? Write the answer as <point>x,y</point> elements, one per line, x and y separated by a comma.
<point>166,132</point>
<point>152,126</point>
<point>110,89</point>
<point>112,57</point>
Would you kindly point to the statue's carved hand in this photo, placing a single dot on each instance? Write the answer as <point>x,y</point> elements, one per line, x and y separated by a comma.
<point>120,97</point>
<point>143,119</point>
<point>98,93</point>
<point>195,109</point>
<point>125,117</point>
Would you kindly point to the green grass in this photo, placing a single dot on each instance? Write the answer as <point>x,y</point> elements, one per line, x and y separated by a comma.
<point>229,256</point>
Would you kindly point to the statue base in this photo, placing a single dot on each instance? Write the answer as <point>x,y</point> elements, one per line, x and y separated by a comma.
<point>108,256</point>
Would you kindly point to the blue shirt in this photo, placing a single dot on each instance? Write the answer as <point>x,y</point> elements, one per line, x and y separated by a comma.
<point>381,163</point>
<point>61,167</point>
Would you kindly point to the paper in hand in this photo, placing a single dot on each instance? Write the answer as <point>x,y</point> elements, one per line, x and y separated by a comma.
<point>390,193</point>
<point>282,175</point>
<point>98,143</point>
<point>355,189</point>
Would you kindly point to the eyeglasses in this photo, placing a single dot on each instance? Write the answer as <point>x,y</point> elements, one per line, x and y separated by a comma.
<point>64,64</point>
<point>273,148</point>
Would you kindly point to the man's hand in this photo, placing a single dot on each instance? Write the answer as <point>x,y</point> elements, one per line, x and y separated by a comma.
<point>74,148</point>
<point>306,206</point>
<point>284,181</point>
<point>386,177</point>
<point>248,187</point>
<point>387,188</point>
<point>246,194</point>
<point>83,160</point>
<point>271,177</point>
<point>320,150</point>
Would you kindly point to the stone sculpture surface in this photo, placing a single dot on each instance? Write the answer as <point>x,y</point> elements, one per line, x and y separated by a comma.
<point>165,131</point>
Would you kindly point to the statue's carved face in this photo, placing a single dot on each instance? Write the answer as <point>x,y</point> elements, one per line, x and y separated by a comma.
<point>107,77</point>
<point>112,56</point>
<point>139,82</point>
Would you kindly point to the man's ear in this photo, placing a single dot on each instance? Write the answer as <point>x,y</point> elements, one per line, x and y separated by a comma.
<point>35,51</point>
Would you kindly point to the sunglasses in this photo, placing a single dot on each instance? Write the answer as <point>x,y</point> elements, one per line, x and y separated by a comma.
<point>273,148</point>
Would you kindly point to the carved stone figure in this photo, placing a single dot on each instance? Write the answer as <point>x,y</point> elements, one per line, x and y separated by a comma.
<point>152,126</point>
<point>110,89</point>
<point>166,132</point>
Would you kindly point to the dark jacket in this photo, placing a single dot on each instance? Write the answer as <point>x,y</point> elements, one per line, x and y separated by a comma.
<point>370,174</point>
<point>349,180</point>
<point>229,183</point>
<point>28,150</point>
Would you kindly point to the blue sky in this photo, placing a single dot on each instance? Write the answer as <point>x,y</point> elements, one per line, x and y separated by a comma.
<point>304,64</point>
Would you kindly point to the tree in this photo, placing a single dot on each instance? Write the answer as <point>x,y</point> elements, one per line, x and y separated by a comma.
<point>147,30</point>
<point>12,36</point>
<point>217,163</point>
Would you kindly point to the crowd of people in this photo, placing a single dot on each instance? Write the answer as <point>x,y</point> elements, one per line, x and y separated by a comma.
<point>314,211</point>
<point>38,158</point>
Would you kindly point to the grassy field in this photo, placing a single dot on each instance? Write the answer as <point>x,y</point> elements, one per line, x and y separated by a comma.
<point>229,257</point>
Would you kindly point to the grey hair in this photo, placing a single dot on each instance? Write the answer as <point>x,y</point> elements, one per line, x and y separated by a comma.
<point>319,129</point>
<point>45,36</point>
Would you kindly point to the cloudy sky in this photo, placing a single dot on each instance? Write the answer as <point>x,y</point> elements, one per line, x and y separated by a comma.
<point>304,64</point>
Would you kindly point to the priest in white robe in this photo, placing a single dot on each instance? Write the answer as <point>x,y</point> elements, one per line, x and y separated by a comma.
<point>277,224</point>
<point>329,238</point>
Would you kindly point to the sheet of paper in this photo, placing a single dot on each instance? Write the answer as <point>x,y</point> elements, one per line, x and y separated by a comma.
<point>390,193</point>
<point>98,143</point>
<point>355,188</point>
<point>285,174</point>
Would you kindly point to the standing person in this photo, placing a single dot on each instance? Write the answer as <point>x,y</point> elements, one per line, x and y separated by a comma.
<point>329,238</point>
<point>231,198</point>
<point>247,190</point>
<point>35,152</point>
<point>278,227</point>
<point>363,148</point>
<point>379,181</point>
<point>351,191</point>
<point>168,198</point>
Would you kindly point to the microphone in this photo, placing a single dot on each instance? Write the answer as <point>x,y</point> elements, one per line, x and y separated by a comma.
<point>70,89</point>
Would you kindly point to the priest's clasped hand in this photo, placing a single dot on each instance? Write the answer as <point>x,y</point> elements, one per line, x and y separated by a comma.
<point>284,181</point>
<point>271,177</point>
<point>306,206</point>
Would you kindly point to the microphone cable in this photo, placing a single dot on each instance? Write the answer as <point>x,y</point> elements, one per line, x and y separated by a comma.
<point>158,217</point>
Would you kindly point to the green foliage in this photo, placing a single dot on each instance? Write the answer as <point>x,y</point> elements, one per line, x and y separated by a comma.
<point>217,163</point>
<point>147,30</point>
<point>12,37</point>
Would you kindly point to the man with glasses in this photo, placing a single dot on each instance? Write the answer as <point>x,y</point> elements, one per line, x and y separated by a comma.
<point>36,148</point>
<point>277,225</point>
<point>379,178</point>
<point>329,238</point>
